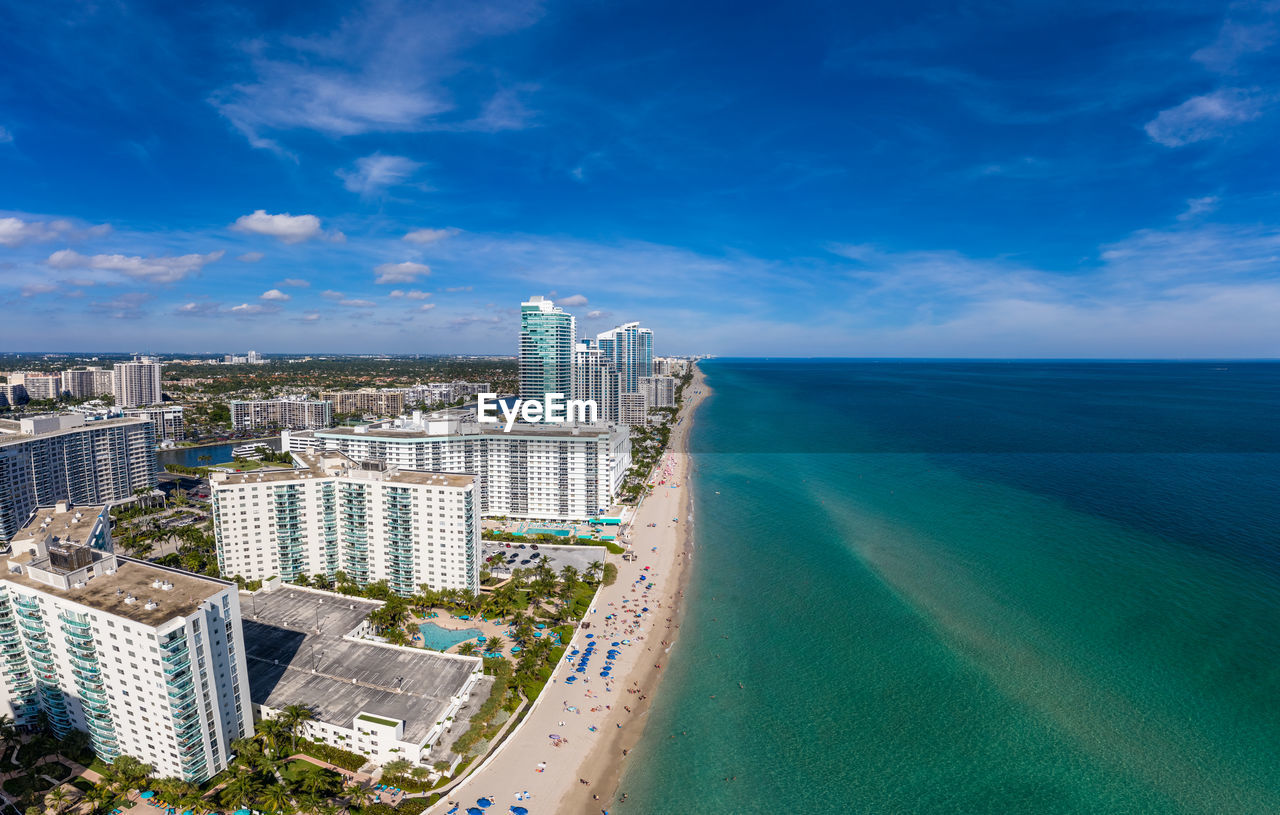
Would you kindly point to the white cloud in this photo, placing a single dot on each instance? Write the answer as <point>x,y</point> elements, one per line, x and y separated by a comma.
<point>198,309</point>
<point>1199,206</point>
<point>412,294</point>
<point>406,272</point>
<point>1235,40</point>
<point>296,282</point>
<point>250,309</point>
<point>377,172</point>
<point>287,228</point>
<point>275,295</point>
<point>126,306</point>
<point>330,294</point>
<point>351,303</point>
<point>152,269</point>
<point>383,70</point>
<point>426,306</point>
<point>430,235</point>
<point>32,289</point>
<point>1204,117</point>
<point>458,288</point>
<point>311,317</point>
<point>597,314</point>
<point>572,300</point>
<point>250,257</point>
<point>16,232</point>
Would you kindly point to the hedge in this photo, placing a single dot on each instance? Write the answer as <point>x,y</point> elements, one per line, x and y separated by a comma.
<point>501,682</point>
<point>345,759</point>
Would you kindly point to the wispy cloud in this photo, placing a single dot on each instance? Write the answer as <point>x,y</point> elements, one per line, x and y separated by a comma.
<point>375,173</point>
<point>429,235</point>
<point>1198,206</point>
<point>16,232</point>
<point>572,300</point>
<point>296,282</point>
<point>406,272</point>
<point>127,306</point>
<point>150,269</point>
<point>412,294</point>
<point>1204,117</point>
<point>1236,39</point>
<point>250,257</point>
<point>275,295</point>
<point>382,70</point>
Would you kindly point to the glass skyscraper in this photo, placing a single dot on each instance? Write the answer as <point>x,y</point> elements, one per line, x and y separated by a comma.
<point>547,335</point>
<point>630,347</point>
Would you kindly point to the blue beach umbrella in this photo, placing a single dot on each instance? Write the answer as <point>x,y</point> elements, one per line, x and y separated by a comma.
<point>148,794</point>
<point>475,811</point>
<point>484,803</point>
<point>519,811</point>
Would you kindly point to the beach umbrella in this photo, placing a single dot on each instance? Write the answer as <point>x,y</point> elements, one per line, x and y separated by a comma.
<point>244,812</point>
<point>484,803</point>
<point>519,810</point>
<point>475,811</point>
<point>148,794</point>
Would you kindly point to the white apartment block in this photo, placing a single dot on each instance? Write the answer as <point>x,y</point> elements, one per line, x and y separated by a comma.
<point>670,366</point>
<point>46,459</point>
<point>632,409</point>
<point>85,383</point>
<point>434,393</point>
<point>595,377</point>
<point>562,472</point>
<point>149,661</point>
<point>169,421</point>
<point>137,383</point>
<point>372,521</point>
<point>659,391</point>
<point>37,385</point>
<point>379,403</point>
<point>12,394</point>
<point>295,414</point>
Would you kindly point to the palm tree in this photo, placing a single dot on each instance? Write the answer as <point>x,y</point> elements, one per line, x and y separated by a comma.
<point>358,795</point>
<point>272,733</point>
<point>467,649</point>
<point>276,798</point>
<point>494,644</point>
<point>57,799</point>
<point>8,734</point>
<point>293,718</point>
<point>594,568</point>
<point>240,790</point>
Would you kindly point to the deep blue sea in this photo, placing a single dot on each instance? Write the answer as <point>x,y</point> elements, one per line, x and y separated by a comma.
<point>976,587</point>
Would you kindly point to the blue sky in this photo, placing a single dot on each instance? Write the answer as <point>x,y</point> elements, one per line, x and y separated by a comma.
<point>1026,179</point>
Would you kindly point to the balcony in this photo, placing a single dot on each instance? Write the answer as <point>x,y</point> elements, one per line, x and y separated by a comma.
<point>72,621</point>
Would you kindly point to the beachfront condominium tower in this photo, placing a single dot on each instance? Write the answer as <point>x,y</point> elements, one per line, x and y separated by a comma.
<point>137,383</point>
<point>595,377</point>
<point>370,521</point>
<point>631,349</point>
<point>148,661</point>
<point>46,459</point>
<point>547,335</point>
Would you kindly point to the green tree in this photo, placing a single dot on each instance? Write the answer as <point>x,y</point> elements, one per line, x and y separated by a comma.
<point>294,719</point>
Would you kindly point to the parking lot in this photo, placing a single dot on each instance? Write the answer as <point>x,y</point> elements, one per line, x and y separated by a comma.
<point>529,555</point>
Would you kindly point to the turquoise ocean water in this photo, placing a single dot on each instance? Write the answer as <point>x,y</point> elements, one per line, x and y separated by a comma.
<point>977,588</point>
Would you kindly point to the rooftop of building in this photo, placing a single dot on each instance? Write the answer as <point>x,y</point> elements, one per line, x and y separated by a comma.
<point>331,463</point>
<point>66,524</point>
<point>472,428</point>
<point>11,430</point>
<point>296,654</point>
<point>131,579</point>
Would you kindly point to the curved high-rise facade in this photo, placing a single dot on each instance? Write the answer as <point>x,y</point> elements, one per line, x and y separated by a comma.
<point>547,335</point>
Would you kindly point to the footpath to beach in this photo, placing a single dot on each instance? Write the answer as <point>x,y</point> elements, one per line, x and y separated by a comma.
<point>571,747</point>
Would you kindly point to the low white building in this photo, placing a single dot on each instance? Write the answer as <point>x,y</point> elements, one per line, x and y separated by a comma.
<point>372,521</point>
<point>148,661</point>
<point>309,647</point>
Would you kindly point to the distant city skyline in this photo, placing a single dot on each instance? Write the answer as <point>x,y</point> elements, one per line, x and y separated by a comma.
<point>753,180</point>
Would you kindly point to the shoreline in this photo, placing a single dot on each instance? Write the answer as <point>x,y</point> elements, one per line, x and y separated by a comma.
<point>539,772</point>
<point>606,762</point>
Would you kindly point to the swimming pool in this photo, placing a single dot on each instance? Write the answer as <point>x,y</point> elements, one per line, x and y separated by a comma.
<point>440,639</point>
<point>563,533</point>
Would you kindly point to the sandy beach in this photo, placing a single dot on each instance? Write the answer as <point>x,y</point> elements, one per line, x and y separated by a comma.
<point>594,718</point>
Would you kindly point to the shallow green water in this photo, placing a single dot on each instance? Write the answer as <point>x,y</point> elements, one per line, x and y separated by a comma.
<point>986,597</point>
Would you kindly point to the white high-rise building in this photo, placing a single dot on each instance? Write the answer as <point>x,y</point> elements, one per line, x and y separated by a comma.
<point>168,419</point>
<point>84,383</point>
<point>631,349</point>
<point>38,385</point>
<point>595,377</point>
<point>547,334</point>
<point>148,661</point>
<point>371,521</point>
<point>46,459</point>
<point>659,391</point>
<point>544,471</point>
<point>137,383</point>
<point>292,413</point>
